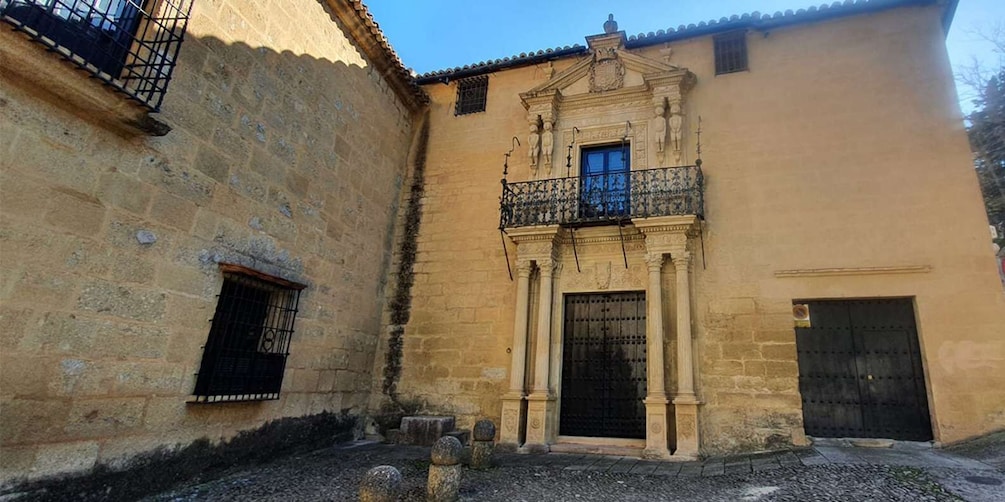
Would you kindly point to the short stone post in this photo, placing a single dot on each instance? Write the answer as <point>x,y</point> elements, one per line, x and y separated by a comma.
<point>444,470</point>
<point>483,444</point>
<point>380,484</point>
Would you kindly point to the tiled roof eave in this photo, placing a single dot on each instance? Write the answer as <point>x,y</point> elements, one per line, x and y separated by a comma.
<point>754,20</point>
<point>371,40</point>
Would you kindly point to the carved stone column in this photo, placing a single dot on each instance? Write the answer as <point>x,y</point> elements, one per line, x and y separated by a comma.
<point>656,397</point>
<point>541,402</point>
<point>512,402</point>
<point>685,403</point>
<point>538,245</point>
<point>671,235</point>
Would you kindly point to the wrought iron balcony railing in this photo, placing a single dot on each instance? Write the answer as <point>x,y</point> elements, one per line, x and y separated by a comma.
<point>130,45</point>
<point>612,197</point>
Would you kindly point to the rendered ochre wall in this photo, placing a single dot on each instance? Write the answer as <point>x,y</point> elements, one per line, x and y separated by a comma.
<point>841,148</point>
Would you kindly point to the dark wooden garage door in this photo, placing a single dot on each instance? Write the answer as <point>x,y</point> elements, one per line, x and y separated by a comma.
<point>860,371</point>
<point>604,366</point>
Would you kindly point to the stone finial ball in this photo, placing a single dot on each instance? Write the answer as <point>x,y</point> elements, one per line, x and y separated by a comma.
<point>446,451</point>
<point>380,483</point>
<point>485,430</point>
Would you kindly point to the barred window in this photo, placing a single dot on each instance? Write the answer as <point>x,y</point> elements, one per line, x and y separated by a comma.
<point>471,95</point>
<point>130,45</point>
<point>249,339</point>
<point>730,52</point>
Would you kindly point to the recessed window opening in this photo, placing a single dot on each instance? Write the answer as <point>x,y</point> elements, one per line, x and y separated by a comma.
<point>730,52</point>
<point>472,94</point>
<point>249,340</point>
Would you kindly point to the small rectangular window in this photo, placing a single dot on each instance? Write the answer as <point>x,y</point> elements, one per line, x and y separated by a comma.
<point>471,95</point>
<point>730,52</point>
<point>249,339</point>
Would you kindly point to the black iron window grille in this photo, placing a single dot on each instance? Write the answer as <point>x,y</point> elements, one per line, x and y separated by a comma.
<point>730,52</point>
<point>603,198</point>
<point>130,45</point>
<point>249,339</point>
<point>471,95</point>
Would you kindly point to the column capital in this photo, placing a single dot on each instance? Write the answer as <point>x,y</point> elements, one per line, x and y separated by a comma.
<point>654,261</point>
<point>681,259</point>
<point>523,267</point>
<point>547,266</point>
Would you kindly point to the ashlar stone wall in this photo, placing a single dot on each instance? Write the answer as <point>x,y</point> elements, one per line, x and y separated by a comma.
<point>287,155</point>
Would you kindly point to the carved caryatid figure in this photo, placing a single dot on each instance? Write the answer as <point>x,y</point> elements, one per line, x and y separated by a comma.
<point>547,143</point>
<point>533,146</point>
<point>676,124</point>
<point>659,125</point>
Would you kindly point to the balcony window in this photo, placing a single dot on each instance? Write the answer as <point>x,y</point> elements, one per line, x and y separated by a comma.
<point>129,44</point>
<point>609,192</point>
<point>604,190</point>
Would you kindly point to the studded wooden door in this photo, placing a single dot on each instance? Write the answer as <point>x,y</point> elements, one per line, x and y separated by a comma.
<point>604,365</point>
<point>860,371</point>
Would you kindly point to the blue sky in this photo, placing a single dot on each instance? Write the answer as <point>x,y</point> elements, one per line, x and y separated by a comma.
<point>437,34</point>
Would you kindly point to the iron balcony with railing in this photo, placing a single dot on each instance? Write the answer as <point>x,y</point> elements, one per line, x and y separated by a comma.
<point>603,198</point>
<point>129,45</point>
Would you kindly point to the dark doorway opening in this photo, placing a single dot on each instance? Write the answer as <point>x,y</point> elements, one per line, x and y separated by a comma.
<point>604,366</point>
<point>860,370</point>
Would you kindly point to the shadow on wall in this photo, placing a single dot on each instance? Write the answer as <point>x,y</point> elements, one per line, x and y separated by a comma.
<point>285,163</point>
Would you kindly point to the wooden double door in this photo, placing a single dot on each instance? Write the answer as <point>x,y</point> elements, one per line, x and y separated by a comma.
<point>604,365</point>
<point>860,371</point>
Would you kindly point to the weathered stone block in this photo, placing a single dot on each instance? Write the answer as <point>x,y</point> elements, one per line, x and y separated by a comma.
<point>121,301</point>
<point>65,457</point>
<point>123,191</point>
<point>424,431</point>
<point>104,417</point>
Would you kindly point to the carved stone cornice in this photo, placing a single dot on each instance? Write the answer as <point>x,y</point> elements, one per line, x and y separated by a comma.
<point>827,272</point>
<point>668,234</point>
<point>536,243</point>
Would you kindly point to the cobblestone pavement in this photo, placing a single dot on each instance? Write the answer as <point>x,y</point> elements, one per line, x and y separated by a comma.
<point>907,472</point>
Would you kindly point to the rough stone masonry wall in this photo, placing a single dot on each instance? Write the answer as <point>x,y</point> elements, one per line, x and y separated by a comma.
<point>287,155</point>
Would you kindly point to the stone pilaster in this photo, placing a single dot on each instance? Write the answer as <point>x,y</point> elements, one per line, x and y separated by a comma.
<point>685,402</point>
<point>541,401</point>
<point>656,397</point>
<point>512,401</point>
<point>671,235</point>
<point>537,244</point>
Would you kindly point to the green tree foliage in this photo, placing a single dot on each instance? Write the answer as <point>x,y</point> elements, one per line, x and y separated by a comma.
<point>987,140</point>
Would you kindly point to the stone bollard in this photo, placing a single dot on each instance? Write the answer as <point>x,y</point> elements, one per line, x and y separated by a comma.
<point>444,470</point>
<point>380,484</point>
<point>483,444</point>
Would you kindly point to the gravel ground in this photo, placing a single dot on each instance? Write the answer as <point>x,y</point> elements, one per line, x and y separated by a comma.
<point>334,474</point>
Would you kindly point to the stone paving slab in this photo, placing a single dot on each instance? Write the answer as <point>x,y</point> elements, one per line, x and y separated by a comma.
<point>827,472</point>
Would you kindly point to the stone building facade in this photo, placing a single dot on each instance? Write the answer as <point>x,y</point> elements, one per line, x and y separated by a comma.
<point>290,125</point>
<point>837,184</point>
<point>648,285</point>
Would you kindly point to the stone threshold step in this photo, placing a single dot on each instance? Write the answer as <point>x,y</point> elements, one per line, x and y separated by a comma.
<point>597,449</point>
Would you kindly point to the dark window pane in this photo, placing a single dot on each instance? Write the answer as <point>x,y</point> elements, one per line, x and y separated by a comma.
<point>730,52</point>
<point>471,95</point>
<point>249,340</point>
